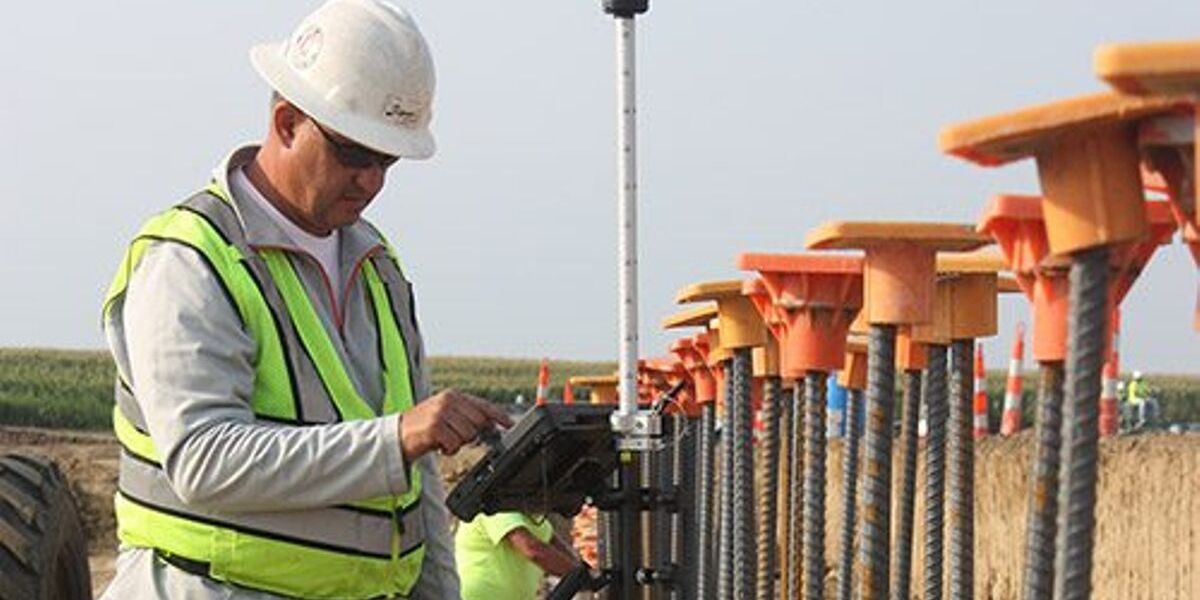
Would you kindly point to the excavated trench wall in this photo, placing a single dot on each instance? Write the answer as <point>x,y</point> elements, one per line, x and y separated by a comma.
<point>1148,517</point>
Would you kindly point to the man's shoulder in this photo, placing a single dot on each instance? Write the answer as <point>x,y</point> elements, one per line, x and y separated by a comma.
<point>364,229</point>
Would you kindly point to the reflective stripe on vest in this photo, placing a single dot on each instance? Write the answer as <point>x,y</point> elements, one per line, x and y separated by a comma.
<point>367,549</point>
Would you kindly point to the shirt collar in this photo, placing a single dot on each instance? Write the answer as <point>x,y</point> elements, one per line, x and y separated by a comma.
<point>358,238</point>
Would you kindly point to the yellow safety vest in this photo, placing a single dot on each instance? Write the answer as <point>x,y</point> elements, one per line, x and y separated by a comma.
<point>368,549</point>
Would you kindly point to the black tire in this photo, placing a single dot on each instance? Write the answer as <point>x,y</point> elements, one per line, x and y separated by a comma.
<point>43,552</point>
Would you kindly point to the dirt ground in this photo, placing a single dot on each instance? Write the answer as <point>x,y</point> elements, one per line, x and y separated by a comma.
<point>1148,535</point>
<point>1148,516</point>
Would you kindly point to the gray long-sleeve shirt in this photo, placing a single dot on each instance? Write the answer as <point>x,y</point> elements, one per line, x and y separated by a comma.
<point>180,346</point>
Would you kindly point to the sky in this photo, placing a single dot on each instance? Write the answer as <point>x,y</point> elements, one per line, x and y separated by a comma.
<point>758,120</point>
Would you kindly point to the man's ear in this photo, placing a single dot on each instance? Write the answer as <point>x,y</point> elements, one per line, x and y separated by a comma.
<point>285,118</point>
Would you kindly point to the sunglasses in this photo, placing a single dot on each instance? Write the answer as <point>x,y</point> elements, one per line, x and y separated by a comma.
<point>355,156</point>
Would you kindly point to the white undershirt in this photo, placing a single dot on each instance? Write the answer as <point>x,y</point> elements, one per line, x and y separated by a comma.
<point>324,249</point>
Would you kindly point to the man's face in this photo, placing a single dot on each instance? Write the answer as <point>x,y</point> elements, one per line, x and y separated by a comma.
<point>337,178</point>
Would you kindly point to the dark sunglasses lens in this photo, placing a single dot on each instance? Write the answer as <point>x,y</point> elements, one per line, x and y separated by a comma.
<point>355,157</point>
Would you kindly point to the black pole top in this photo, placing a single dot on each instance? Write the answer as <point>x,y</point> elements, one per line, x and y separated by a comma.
<point>626,8</point>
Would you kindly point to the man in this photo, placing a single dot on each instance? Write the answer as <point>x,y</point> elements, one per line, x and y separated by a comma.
<point>1136,390</point>
<point>505,555</point>
<point>275,417</point>
<point>1143,408</point>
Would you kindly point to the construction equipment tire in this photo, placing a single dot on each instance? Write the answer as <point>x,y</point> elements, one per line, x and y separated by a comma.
<point>43,552</point>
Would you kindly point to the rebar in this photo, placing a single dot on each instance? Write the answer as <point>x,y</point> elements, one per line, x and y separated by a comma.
<point>725,559</point>
<point>1043,502</point>
<point>745,559</point>
<point>604,540</point>
<point>854,410</point>
<point>961,493</point>
<point>934,393</point>
<point>705,513</point>
<point>768,518</point>
<point>814,486</point>
<point>908,486</point>
<point>784,471</point>
<point>1087,325</point>
<point>666,522</point>
<point>795,550</point>
<point>650,466</point>
<point>873,551</point>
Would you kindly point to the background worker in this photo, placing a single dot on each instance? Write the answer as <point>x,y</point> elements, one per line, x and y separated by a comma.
<point>506,555</point>
<point>1139,397</point>
<point>278,431</point>
<point>1136,390</point>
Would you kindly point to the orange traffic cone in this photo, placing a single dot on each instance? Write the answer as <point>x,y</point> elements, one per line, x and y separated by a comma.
<point>568,393</point>
<point>1011,423</point>
<point>981,399</point>
<point>1110,410</point>
<point>543,382</point>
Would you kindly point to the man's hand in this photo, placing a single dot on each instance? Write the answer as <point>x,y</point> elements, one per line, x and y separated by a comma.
<point>447,421</point>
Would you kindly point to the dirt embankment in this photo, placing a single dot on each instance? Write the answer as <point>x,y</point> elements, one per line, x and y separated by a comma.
<point>1148,533</point>
<point>1148,517</point>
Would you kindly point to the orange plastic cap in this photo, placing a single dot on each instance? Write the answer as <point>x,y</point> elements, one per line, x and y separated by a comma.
<point>911,354</point>
<point>1168,145</point>
<point>693,360</point>
<point>1158,67</point>
<point>899,268</point>
<point>818,296</point>
<point>602,388</point>
<point>1030,131</point>
<point>741,326</point>
<point>1087,156</point>
<point>691,317</point>
<point>1007,284</point>
<point>1016,223</point>
<point>854,368</point>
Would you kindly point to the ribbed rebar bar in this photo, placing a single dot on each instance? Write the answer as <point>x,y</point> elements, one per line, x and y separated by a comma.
<point>725,559</point>
<point>854,410</point>
<point>814,485</point>
<point>874,537</point>
<point>1043,501</point>
<point>961,493</point>
<point>1086,330</point>
<point>648,479</point>
<point>768,518</point>
<point>784,405</point>
<point>604,540</point>
<point>670,477</point>
<point>908,486</point>
<point>795,550</point>
<point>684,528</point>
<point>652,550</point>
<point>705,510</point>
<point>745,555</point>
<point>936,407</point>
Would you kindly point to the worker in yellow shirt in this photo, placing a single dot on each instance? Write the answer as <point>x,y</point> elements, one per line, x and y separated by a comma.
<point>505,555</point>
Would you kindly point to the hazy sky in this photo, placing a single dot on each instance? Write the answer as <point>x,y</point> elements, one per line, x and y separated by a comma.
<point>758,121</point>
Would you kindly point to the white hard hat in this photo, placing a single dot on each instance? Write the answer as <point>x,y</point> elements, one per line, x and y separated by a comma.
<point>360,68</point>
<point>1137,374</point>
